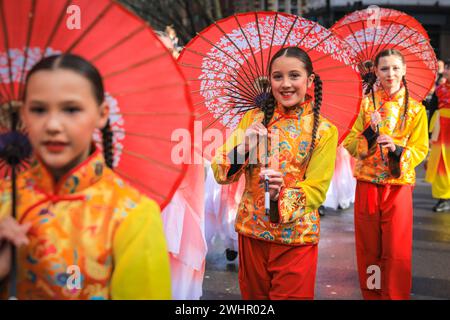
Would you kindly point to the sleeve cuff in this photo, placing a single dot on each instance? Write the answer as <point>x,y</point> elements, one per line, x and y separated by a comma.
<point>371,136</point>
<point>274,213</point>
<point>397,153</point>
<point>394,161</point>
<point>237,161</point>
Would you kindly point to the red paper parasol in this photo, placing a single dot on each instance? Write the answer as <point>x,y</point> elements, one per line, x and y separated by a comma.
<point>147,93</point>
<point>368,37</point>
<point>227,67</point>
<point>374,13</point>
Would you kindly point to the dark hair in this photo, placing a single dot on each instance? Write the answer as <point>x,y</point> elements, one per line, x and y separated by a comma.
<point>446,62</point>
<point>386,53</point>
<point>300,54</point>
<point>86,69</point>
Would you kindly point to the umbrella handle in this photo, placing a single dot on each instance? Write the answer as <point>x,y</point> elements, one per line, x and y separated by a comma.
<point>13,275</point>
<point>266,195</point>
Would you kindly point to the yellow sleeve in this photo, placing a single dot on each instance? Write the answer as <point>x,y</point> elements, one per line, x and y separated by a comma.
<point>309,194</point>
<point>5,199</point>
<point>221,163</point>
<point>355,142</point>
<point>416,148</point>
<point>141,260</point>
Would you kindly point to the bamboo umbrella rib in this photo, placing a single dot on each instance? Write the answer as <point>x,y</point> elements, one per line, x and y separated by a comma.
<point>8,54</point>
<point>150,160</point>
<point>290,30</point>
<point>134,65</point>
<point>90,27</point>
<point>244,92</point>
<point>260,42</point>
<point>231,57</point>
<point>271,41</point>
<point>239,50</point>
<point>57,25</point>
<point>132,180</point>
<point>146,89</point>
<point>252,92</point>
<point>26,50</point>
<point>249,45</point>
<point>119,42</point>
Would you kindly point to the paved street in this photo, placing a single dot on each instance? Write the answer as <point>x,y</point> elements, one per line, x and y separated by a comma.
<point>337,277</point>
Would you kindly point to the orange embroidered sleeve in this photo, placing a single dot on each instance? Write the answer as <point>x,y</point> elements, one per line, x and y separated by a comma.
<point>309,194</point>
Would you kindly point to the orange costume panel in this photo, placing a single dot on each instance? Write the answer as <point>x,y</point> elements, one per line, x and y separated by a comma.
<point>305,178</point>
<point>272,271</point>
<point>93,236</point>
<point>438,169</point>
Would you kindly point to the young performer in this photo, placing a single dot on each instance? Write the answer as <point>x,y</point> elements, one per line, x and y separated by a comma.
<point>278,257</point>
<point>81,231</point>
<point>438,166</point>
<point>389,139</point>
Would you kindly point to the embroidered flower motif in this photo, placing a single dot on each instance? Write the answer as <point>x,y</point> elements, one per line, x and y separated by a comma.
<point>266,235</point>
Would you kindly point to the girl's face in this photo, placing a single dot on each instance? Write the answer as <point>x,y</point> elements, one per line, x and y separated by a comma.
<point>390,71</point>
<point>61,114</point>
<point>290,81</point>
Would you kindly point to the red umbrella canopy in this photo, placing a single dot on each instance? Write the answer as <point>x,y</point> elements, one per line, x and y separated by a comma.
<point>368,38</point>
<point>375,13</point>
<point>227,67</point>
<point>147,92</point>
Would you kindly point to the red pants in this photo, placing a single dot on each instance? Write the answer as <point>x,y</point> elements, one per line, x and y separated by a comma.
<point>271,271</point>
<point>383,231</point>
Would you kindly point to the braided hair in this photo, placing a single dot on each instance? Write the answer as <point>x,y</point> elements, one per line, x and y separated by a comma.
<point>406,103</point>
<point>268,109</point>
<point>84,68</point>
<point>296,52</point>
<point>107,140</point>
<point>316,110</point>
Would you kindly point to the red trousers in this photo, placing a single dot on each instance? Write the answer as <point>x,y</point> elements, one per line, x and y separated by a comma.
<point>383,232</point>
<point>271,271</point>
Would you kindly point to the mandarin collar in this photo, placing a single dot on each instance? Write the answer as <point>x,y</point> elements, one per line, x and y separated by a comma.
<point>79,178</point>
<point>304,108</point>
<point>385,97</point>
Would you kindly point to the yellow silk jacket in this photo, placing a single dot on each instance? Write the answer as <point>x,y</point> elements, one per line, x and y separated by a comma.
<point>306,177</point>
<point>93,236</point>
<point>410,137</point>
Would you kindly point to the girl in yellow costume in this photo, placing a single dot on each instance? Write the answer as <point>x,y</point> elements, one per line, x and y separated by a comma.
<point>438,167</point>
<point>278,252</point>
<point>389,139</point>
<point>82,232</point>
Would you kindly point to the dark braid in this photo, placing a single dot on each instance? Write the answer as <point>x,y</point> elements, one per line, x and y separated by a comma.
<point>370,89</point>
<point>406,97</point>
<point>369,79</point>
<point>268,109</point>
<point>316,110</point>
<point>107,139</point>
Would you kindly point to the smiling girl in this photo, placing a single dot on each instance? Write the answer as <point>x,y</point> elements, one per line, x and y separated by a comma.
<point>389,139</point>
<point>278,254</point>
<point>82,232</point>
